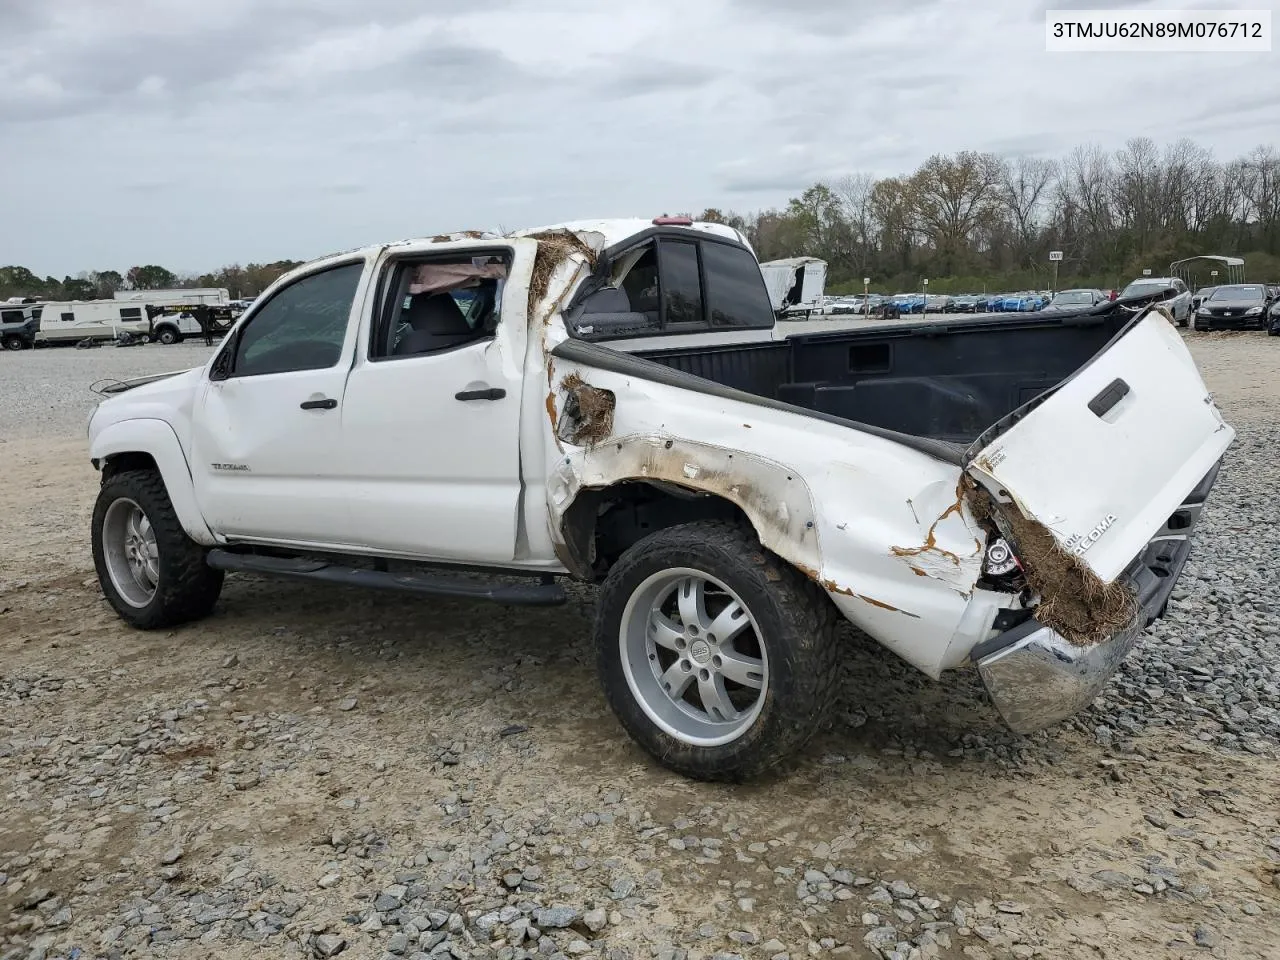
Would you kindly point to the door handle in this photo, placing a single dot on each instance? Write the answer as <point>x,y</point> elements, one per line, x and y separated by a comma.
<point>1112,394</point>
<point>489,393</point>
<point>326,404</point>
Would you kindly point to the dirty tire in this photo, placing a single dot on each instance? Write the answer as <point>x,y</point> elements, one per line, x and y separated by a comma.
<point>187,587</point>
<point>797,627</point>
<point>168,336</point>
<point>14,343</point>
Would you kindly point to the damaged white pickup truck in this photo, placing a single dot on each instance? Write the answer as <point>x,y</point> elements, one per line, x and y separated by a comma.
<point>475,415</point>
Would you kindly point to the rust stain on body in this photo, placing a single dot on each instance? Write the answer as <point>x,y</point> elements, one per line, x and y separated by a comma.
<point>832,587</point>
<point>930,544</point>
<point>884,606</point>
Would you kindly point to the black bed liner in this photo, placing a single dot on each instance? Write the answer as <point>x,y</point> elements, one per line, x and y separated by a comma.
<point>934,387</point>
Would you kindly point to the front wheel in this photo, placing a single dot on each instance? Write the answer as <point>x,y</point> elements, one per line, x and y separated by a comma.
<point>717,657</point>
<point>150,571</point>
<point>168,336</point>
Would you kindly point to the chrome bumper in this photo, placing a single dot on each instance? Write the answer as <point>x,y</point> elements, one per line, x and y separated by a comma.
<point>1036,677</point>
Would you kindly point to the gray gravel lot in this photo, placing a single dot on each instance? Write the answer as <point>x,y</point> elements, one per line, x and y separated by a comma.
<point>315,773</point>
<point>46,392</point>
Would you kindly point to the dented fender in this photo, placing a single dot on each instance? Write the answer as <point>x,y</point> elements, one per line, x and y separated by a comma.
<point>773,496</point>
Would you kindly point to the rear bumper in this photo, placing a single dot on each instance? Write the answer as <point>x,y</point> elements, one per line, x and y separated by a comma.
<point>1036,677</point>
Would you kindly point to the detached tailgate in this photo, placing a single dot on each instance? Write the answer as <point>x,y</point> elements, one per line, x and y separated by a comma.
<point>1106,459</point>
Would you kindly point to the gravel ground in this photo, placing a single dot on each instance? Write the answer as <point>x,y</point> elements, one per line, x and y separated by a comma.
<point>314,773</point>
<point>46,391</point>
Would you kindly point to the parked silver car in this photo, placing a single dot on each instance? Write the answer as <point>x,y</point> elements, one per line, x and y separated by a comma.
<point>1178,302</point>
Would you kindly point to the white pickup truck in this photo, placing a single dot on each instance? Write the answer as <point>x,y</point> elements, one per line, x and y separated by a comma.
<point>477,415</point>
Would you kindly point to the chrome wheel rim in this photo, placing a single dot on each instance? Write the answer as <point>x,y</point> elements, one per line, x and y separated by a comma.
<point>693,657</point>
<point>130,552</point>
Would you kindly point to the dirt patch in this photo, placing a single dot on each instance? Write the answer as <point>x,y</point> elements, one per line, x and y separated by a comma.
<point>554,248</point>
<point>1074,601</point>
<point>588,411</point>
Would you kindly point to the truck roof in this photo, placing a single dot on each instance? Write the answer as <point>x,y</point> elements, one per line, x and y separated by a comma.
<point>609,232</point>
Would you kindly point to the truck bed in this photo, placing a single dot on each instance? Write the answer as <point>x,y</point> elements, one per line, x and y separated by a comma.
<point>945,381</point>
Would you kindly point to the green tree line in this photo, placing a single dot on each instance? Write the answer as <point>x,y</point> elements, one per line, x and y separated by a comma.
<point>968,221</point>
<point>974,221</point>
<point>247,281</point>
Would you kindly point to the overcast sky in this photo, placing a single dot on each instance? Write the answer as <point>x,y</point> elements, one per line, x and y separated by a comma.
<point>197,134</point>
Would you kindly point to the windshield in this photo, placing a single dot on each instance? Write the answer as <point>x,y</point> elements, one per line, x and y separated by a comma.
<point>1141,288</point>
<point>1071,297</point>
<point>1249,292</point>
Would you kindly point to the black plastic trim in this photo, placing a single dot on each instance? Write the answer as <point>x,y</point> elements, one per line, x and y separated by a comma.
<point>1108,397</point>
<point>301,568</point>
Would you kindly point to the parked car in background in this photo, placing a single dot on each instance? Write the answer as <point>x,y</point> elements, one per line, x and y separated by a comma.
<point>1200,296</point>
<point>1235,306</point>
<point>1072,300</point>
<point>19,323</point>
<point>968,303</point>
<point>824,306</point>
<point>1021,302</point>
<point>1273,319</point>
<point>940,303</point>
<point>847,305</point>
<point>1177,301</point>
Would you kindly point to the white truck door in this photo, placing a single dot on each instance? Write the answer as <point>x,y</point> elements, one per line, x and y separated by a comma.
<point>267,429</point>
<point>431,417</point>
<point>1105,460</point>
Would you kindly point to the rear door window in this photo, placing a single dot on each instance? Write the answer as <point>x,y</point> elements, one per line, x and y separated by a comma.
<point>673,285</point>
<point>736,294</point>
<point>680,280</point>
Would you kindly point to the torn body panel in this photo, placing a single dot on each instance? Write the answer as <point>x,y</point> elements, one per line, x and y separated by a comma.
<point>776,501</point>
<point>830,500</point>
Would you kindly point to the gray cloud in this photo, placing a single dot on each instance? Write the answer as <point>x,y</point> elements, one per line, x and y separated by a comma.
<point>824,16</point>
<point>656,77</point>
<point>203,134</point>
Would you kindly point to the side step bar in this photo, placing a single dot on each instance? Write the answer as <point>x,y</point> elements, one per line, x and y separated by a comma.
<point>547,594</point>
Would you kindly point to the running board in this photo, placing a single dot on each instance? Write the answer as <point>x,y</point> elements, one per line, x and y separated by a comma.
<point>548,594</point>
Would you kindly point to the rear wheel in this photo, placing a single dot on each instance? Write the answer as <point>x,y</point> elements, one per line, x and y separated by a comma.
<point>717,657</point>
<point>150,571</point>
<point>13,342</point>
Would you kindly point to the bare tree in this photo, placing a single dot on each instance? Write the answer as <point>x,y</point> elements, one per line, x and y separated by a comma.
<point>1085,198</point>
<point>1025,189</point>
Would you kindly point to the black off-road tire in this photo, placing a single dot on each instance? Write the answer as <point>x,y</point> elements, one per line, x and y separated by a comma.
<point>797,623</point>
<point>188,588</point>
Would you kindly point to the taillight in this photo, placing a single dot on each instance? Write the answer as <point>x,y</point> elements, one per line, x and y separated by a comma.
<point>673,221</point>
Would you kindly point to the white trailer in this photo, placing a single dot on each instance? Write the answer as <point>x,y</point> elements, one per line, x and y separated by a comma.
<point>795,284</point>
<point>69,321</point>
<point>214,296</point>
